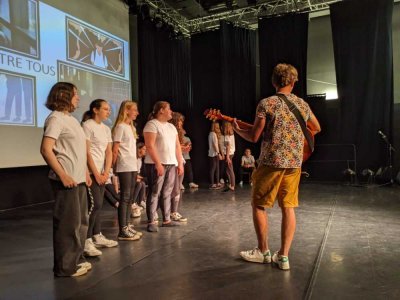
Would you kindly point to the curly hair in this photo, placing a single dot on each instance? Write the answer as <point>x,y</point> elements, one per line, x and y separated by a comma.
<point>60,96</point>
<point>283,75</point>
<point>176,117</point>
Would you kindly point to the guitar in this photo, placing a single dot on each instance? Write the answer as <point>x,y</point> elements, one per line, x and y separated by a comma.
<point>215,114</point>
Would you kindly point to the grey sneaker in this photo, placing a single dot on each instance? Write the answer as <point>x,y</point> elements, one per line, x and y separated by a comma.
<point>256,256</point>
<point>281,260</point>
<point>126,235</point>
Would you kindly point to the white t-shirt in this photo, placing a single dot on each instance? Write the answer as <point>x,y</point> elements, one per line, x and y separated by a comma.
<point>99,136</point>
<point>213,147</point>
<point>229,140</point>
<point>70,145</point>
<point>126,161</point>
<point>165,143</point>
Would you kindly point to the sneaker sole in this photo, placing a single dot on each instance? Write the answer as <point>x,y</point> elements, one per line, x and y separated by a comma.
<point>105,246</point>
<point>91,254</point>
<point>120,238</point>
<point>253,260</point>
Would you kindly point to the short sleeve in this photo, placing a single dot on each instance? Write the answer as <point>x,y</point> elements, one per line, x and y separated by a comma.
<point>118,133</point>
<point>150,127</point>
<point>52,127</point>
<point>261,111</point>
<point>88,131</point>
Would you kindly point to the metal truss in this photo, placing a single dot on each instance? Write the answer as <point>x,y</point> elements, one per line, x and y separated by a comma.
<point>243,17</point>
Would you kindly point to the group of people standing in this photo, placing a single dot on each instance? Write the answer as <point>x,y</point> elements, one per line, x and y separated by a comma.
<point>81,157</point>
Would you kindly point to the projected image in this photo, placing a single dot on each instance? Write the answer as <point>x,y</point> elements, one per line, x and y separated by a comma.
<point>16,99</point>
<point>94,86</point>
<point>94,48</point>
<point>19,26</point>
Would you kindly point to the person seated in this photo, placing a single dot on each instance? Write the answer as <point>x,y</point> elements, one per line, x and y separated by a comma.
<point>247,165</point>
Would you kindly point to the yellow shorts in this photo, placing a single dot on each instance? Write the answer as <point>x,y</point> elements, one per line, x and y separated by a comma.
<point>270,183</point>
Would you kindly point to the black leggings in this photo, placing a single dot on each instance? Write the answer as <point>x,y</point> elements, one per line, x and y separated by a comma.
<point>94,218</point>
<point>214,169</point>
<point>188,171</point>
<point>127,186</point>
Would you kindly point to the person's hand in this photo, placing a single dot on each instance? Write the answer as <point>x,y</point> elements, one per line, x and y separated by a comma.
<point>160,169</point>
<point>68,182</point>
<point>99,179</point>
<point>235,125</point>
<point>180,169</point>
<point>88,180</point>
<point>228,160</point>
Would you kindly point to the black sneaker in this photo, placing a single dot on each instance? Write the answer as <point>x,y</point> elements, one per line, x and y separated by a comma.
<point>126,235</point>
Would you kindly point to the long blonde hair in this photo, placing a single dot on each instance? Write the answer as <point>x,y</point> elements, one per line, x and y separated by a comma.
<point>228,129</point>
<point>122,115</point>
<point>215,127</point>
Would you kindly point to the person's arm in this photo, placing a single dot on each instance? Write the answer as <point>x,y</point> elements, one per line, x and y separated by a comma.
<point>115,150</point>
<point>214,143</point>
<point>46,149</point>
<point>92,165</point>
<point>242,163</point>
<point>179,157</point>
<point>253,133</point>
<point>228,149</point>
<point>108,162</point>
<point>150,141</point>
<point>313,124</point>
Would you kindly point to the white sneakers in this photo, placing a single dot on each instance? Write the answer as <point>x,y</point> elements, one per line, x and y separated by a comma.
<point>281,260</point>
<point>256,256</point>
<point>192,185</point>
<point>99,240</point>
<point>90,249</point>
<point>136,210</point>
<point>177,217</point>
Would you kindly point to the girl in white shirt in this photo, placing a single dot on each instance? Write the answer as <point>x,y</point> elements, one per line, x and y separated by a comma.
<point>64,150</point>
<point>99,157</point>
<point>163,163</point>
<point>124,163</point>
<point>214,154</point>
<point>229,143</point>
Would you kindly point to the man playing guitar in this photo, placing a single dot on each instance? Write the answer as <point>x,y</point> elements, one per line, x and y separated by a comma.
<point>279,165</point>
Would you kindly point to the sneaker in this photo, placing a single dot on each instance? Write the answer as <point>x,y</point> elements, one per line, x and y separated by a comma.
<point>241,183</point>
<point>126,235</point>
<point>182,187</point>
<point>177,217</point>
<point>132,229</point>
<point>213,187</point>
<point>281,260</point>
<point>170,224</point>
<point>136,212</point>
<point>256,256</point>
<point>222,181</point>
<point>192,185</point>
<point>99,240</point>
<point>87,265</point>
<point>152,228</point>
<point>81,271</point>
<point>90,249</point>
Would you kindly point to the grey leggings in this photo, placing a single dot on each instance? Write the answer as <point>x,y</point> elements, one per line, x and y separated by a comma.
<point>230,172</point>
<point>159,186</point>
<point>176,193</point>
<point>214,169</point>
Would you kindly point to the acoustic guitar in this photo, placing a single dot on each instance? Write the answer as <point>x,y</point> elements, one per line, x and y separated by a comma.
<point>215,114</point>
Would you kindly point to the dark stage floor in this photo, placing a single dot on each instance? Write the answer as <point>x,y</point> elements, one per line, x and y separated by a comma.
<point>347,246</point>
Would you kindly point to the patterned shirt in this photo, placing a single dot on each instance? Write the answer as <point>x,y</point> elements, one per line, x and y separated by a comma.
<point>283,139</point>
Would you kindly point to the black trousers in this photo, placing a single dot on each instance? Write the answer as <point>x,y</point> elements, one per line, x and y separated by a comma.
<point>188,171</point>
<point>70,225</point>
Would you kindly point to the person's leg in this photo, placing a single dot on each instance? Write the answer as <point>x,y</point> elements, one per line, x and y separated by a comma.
<point>288,229</point>
<point>70,211</point>
<point>94,218</point>
<point>111,195</point>
<point>166,191</point>
<point>155,184</point>
<point>260,221</point>
<point>231,173</point>
<point>176,193</point>
<point>133,177</point>
<point>188,171</point>
<point>212,170</point>
<point>125,181</point>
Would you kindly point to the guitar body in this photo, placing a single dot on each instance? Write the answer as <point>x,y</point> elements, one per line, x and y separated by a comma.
<point>214,114</point>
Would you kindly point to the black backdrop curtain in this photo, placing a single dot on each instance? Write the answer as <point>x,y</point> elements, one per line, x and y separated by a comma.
<point>283,40</point>
<point>164,69</point>
<point>364,74</point>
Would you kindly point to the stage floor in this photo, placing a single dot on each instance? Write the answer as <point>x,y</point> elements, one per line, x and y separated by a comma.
<point>347,246</point>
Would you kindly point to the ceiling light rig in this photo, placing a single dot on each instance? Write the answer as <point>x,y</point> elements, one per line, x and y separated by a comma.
<point>244,17</point>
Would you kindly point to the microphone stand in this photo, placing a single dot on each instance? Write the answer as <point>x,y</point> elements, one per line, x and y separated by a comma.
<point>390,166</point>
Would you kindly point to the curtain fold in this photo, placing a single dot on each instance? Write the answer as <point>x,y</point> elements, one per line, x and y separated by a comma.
<point>364,74</point>
<point>283,40</point>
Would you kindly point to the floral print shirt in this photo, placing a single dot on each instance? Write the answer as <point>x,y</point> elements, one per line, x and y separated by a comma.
<point>283,139</point>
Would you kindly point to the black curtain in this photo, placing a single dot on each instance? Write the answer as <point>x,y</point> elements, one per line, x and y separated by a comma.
<point>364,74</point>
<point>164,68</point>
<point>283,40</point>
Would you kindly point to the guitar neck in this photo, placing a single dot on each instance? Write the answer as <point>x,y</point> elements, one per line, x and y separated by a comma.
<point>241,124</point>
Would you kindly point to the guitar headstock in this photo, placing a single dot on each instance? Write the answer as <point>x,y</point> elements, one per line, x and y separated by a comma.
<point>213,114</point>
